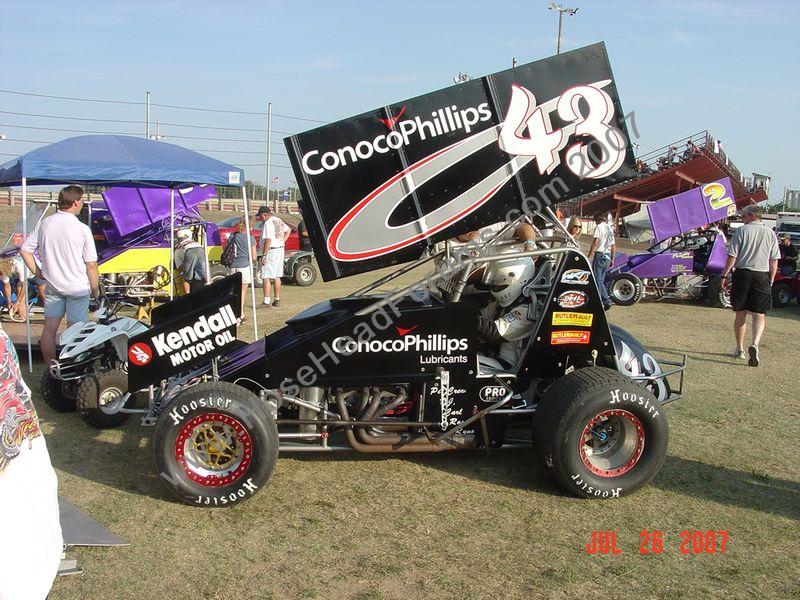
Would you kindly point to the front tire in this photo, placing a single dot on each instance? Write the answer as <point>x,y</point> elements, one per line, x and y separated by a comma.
<point>626,289</point>
<point>600,434</point>
<point>99,398</point>
<point>215,445</point>
<point>58,395</point>
<point>305,274</point>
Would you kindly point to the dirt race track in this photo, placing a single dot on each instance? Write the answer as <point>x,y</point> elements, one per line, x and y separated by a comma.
<point>469,524</point>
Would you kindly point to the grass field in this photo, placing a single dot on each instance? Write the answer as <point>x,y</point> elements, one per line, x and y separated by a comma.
<point>468,524</point>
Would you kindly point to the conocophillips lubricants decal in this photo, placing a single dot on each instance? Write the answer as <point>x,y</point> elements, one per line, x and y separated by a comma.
<point>379,187</point>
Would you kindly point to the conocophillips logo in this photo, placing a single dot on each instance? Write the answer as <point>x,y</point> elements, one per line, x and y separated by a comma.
<point>445,120</point>
<point>436,342</point>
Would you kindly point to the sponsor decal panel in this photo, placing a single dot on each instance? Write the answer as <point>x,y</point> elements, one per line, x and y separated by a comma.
<point>538,123</point>
<point>572,299</point>
<point>575,277</point>
<point>558,338</point>
<point>573,318</point>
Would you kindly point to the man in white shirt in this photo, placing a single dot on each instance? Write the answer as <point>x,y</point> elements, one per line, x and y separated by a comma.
<point>601,253</point>
<point>69,266</point>
<point>273,239</point>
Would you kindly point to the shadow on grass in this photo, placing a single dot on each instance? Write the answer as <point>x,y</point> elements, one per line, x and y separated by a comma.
<point>730,487</point>
<point>126,465</point>
<point>701,356</point>
<point>520,469</point>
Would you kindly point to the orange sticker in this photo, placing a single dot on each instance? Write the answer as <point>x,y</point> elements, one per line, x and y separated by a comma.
<point>569,337</point>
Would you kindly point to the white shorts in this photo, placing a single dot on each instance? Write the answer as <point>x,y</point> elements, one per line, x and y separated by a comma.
<point>273,264</point>
<point>247,274</point>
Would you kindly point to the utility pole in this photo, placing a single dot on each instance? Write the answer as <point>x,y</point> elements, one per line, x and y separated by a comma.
<point>147,119</point>
<point>269,149</point>
<point>561,10</point>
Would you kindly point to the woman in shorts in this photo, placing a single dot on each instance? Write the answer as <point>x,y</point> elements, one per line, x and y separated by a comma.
<point>245,244</point>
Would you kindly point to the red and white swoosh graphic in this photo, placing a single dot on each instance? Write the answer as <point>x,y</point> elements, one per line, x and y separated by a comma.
<point>390,122</point>
<point>404,332</point>
<point>364,231</point>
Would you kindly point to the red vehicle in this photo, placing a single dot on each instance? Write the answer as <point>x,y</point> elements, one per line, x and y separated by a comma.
<point>298,267</point>
<point>785,288</point>
<point>228,226</point>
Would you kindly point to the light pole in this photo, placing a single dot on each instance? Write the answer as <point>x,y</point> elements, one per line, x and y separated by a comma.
<point>561,10</point>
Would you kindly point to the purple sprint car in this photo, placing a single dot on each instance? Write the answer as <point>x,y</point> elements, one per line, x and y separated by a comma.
<point>689,252</point>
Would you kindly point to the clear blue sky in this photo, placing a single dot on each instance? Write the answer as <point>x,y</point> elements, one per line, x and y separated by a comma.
<point>730,67</point>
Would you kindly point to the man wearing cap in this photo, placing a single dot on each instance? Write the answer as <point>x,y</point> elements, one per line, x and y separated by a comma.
<point>273,237</point>
<point>190,260</point>
<point>788,262</point>
<point>753,255</point>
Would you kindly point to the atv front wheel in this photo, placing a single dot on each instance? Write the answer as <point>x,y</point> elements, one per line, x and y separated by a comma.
<point>625,289</point>
<point>305,274</point>
<point>58,395</point>
<point>600,434</point>
<point>101,395</point>
<point>215,445</point>
<point>781,295</point>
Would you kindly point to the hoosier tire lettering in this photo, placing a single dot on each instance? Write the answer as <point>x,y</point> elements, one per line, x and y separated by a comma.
<point>597,451</point>
<point>216,445</point>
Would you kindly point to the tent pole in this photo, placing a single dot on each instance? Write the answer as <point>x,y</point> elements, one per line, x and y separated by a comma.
<point>250,261</point>
<point>25,274</point>
<point>172,242</point>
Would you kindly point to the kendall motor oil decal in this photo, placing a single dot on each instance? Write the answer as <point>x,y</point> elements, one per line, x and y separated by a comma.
<point>201,326</point>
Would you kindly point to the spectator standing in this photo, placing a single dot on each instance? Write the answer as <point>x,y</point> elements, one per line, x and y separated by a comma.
<point>245,245</point>
<point>601,253</point>
<point>190,260</point>
<point>575,227</point>
<point>302,234</point>
<point>788,262</point>
<point>68,266</point>
<point>753,255</point>
<point>273,239</point>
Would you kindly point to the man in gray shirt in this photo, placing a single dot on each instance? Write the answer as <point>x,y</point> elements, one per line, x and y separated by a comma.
<point>753,254</point>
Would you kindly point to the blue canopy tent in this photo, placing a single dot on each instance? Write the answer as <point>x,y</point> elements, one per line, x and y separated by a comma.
<point>117,160</point>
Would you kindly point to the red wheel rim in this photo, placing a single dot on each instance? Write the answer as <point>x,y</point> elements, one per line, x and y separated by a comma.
<point>214,449</point>
<point>612,443</point>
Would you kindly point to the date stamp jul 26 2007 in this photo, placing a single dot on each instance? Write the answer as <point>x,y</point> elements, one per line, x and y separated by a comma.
<point>691,542</point>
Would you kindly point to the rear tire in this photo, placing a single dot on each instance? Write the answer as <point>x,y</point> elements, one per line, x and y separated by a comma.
<point>98,398</point>
<point>219,272</point>
<point>305,274</point>
<point>600,434</point>
<point>718,294</point>
<point>626,289</point>
<point>58,395</point>
<point>215,445</point>
<point>781,295</point>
